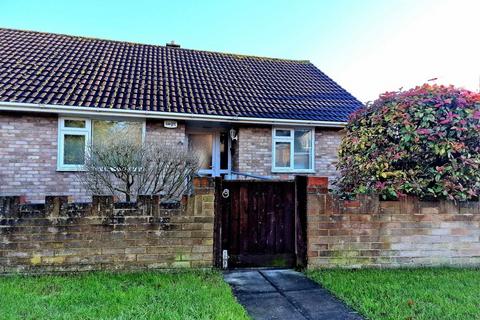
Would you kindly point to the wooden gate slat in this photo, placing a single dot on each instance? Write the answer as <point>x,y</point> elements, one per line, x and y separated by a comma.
<point>278,217</point>
<point>234,231</point>
<point>252,219</point>
<point>289,236</point>
<point>270,235</point>
<point>243,218</point>
<point>261,226</point>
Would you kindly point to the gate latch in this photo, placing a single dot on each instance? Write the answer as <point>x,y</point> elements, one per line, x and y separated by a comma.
<point>225,193</point>
<point>225,259</point>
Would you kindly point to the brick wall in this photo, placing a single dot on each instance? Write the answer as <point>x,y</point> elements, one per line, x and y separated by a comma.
<point>253,152</point>
<point>327,142</point>
<point>369,232</point>
<point>59,236</point>
<point>28,156</point>
<point>155,131</point>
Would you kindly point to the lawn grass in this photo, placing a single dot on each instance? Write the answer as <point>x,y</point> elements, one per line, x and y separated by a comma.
<point>99,295</point>
<point>430,293</point>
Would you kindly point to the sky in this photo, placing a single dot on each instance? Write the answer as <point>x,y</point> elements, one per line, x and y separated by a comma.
<point>367,46</point>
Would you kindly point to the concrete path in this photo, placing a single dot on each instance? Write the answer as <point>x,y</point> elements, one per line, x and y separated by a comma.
<point>284,295</point>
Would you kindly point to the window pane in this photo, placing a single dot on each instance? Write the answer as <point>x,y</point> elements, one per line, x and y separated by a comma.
<point>223,150</point>
<point>201,145</point>
<point>74,149</point>
<point>282,154</point>
<point>74,123</point>
<point>302,149</point>
<point>105,131</point>
<point>302,140</point>
<point>282,133</point>
<point>302,161</point>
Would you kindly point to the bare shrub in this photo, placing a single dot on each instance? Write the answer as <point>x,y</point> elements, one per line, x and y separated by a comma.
<point>122,166</point>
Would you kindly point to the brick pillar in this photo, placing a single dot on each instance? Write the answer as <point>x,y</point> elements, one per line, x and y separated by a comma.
<point>55,206</point>
<point>203,185</point>
<point>202,201</point>
<point>102,206</point>
<point>9,205</point>
<point>317,185</point>
<point>201,209</point>
<point>149,204</point>
<point>317,198</point>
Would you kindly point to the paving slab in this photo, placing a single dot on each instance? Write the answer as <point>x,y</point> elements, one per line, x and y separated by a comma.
<point>288,280</point>
<point>285,294</point>
<point>248,281</point>
<point>268,306</point>
<point>320,304</point>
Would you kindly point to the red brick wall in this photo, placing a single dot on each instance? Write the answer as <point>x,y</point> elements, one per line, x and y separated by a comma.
<point>155,131</point>
<point>28,156</point>
<point>327,142</point>
<point>369,232</point>
<point>254,152</point>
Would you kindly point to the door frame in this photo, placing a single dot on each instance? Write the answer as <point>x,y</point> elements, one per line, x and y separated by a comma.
<point>215,171</point>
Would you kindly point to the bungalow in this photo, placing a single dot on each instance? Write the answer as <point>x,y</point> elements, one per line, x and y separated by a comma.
<point>246,116</point>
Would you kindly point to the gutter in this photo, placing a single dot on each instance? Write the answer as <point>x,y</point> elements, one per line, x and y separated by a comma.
<point>91,111</point>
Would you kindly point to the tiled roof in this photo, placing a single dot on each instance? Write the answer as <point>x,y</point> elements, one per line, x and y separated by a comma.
<point>44,68</point>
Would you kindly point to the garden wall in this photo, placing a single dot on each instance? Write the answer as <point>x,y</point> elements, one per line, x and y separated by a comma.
<point>59,236</point>
<point>368,232</point>
<point>103,235</point>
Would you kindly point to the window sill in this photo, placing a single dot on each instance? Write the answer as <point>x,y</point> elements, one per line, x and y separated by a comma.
<point>293,171</point>
<point>70,170</point>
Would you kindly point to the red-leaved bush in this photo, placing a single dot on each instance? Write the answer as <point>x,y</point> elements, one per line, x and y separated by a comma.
<point>423,142</point>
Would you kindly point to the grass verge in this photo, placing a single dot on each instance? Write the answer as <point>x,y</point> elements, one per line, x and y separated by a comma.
<point>426,293</point>
<point>101,295</point>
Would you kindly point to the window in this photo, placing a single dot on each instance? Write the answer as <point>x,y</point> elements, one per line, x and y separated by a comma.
<point>293,150</point>
<point>73,138</point>
<point>103,130</point>
<point>75,135</point>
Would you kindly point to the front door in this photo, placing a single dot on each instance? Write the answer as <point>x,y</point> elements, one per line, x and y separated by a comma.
<point>213,151</point>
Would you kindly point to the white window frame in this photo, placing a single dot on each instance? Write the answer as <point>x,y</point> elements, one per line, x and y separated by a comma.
<point>291,140</point>
<point>62,131</point>
<point>87,132</point>
<point>215,171</point>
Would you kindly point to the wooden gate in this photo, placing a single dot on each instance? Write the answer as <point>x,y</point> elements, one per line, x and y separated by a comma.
<point>257,223</point>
